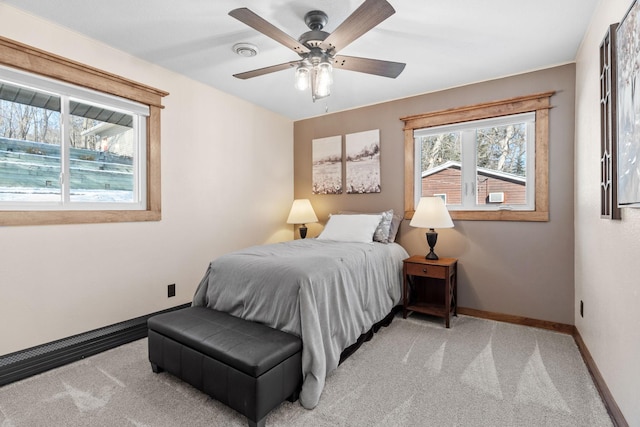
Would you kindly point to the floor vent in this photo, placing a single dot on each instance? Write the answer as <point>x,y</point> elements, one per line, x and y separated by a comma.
<point>25,363</point>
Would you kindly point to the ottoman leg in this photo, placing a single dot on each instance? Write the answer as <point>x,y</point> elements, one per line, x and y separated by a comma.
<point>294,396</point>
<point>260,423</point>
<point>155,368</point>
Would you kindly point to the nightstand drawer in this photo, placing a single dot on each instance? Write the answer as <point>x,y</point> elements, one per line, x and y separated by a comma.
<point>434,271</point>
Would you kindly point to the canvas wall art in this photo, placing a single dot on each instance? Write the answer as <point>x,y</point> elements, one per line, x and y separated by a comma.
<point>628,68</point>
<point>327,165</point>
<point>363,162</point>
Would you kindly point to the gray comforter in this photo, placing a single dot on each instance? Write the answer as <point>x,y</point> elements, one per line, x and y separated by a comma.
<point>328,293</point>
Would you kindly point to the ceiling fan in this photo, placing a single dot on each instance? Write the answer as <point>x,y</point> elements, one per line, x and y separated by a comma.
<point>318,50</point>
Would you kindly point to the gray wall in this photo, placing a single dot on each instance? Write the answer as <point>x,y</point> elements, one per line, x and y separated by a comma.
<point>517,268</point>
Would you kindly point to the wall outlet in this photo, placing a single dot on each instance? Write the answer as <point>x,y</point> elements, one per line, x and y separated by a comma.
<point>171,290</point>
<point>581,309</point>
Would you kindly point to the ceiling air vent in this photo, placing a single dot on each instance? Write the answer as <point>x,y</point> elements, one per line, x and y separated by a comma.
<point>245,49</point>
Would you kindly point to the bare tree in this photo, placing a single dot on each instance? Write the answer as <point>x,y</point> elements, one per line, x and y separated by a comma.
<point>29,123</point>
<point>439,149</point>
<point>25,120</point>
<point>503,148</point>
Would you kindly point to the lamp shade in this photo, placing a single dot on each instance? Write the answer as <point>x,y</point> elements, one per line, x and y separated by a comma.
<point>431,213</point>
<point>301,212</point>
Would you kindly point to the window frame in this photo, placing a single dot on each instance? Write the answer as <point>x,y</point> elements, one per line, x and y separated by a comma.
<point>469,168</point>
<point>538,103</point>
<point>66,94</point>
<point>26,58</point>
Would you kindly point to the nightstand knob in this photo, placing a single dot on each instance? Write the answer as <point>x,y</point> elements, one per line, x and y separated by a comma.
<point>424,270</point>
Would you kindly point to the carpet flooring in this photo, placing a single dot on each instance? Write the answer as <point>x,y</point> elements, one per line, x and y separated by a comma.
<point>413,373</point>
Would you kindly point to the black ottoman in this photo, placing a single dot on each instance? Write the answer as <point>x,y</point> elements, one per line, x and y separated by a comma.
<point>248,366</point>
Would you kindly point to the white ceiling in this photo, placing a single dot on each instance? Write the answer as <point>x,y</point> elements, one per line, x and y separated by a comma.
<point>445,43</point>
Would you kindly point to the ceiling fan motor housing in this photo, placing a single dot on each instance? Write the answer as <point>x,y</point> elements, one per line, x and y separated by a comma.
<point>315,20</point>
<point>313,38</point>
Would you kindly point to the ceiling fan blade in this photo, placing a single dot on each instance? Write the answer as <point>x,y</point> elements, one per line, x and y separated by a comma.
<point>368,15</point>
<point>369,66</point>
<point>249,18</point>
<point>266,70</point>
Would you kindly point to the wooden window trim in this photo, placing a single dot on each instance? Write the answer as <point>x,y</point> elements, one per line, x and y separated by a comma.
<point>27,58</point>
<point>539,103</point>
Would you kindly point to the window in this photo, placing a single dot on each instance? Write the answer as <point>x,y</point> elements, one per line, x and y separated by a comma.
<point>488,161</point>
<point>479,165</point>
<point>77,145</point>
<point>93,159</point>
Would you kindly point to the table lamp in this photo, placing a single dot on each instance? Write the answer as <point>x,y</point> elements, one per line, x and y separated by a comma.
<point>431,213</point>
<point>302,213</point>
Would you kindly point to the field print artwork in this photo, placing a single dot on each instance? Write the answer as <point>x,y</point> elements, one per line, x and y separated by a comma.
<point>628,55</point>
<point>327,165</point>
<point>363,162</point>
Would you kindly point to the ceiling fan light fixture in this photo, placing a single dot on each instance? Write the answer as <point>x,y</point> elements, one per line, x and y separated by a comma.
<point>325,72</point>
<point>323,80</point>
<point>302,77</point>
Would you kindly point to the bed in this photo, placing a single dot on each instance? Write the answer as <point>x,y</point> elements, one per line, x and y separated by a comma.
<point>328,292</point>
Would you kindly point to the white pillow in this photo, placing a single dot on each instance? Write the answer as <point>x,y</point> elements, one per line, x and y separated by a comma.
<point>383,231</point>
<point>350,228</point>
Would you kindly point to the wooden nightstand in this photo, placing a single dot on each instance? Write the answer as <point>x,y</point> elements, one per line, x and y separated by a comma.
<point>433,284</point>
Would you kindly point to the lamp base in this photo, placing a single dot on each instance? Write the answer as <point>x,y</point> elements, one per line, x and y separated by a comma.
<point>303,231</point>
<point>432,238</point>
<point>432,256</point>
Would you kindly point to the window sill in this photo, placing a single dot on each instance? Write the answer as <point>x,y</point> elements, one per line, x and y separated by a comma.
<point>533,216</point>
<point>76,217</point>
